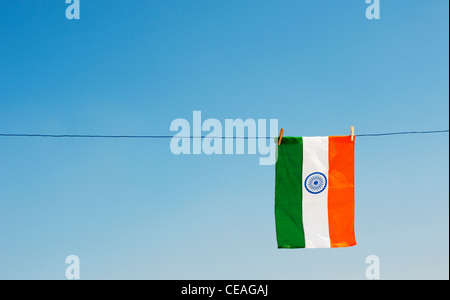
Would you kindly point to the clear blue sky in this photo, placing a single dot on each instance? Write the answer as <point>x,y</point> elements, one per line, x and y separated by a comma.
<point>130,209</point>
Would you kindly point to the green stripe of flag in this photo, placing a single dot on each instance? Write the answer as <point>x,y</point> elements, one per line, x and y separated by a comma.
<point>288,193</point>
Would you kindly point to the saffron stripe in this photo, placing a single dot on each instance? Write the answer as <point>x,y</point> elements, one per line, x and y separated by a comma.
<point>341,192</point>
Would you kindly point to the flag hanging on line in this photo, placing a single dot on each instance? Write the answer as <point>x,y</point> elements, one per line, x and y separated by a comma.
<point>315,192</point>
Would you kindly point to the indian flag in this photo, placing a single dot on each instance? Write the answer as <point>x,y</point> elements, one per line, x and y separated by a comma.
<point>315,192</point>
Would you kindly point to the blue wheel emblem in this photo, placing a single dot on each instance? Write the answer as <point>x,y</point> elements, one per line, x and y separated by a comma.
<point>315,183</point>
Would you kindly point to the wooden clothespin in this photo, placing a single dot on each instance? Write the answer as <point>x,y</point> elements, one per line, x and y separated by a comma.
<point>281,136</point>
<point>352,133</point>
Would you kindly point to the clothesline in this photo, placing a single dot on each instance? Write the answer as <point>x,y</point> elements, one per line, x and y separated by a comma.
<point>39,135</point>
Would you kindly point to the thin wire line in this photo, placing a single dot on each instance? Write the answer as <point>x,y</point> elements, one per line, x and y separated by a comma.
<point>402,133</point>
<point>84,136</point>
<point>191,137</point>
<point>120,136</point>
